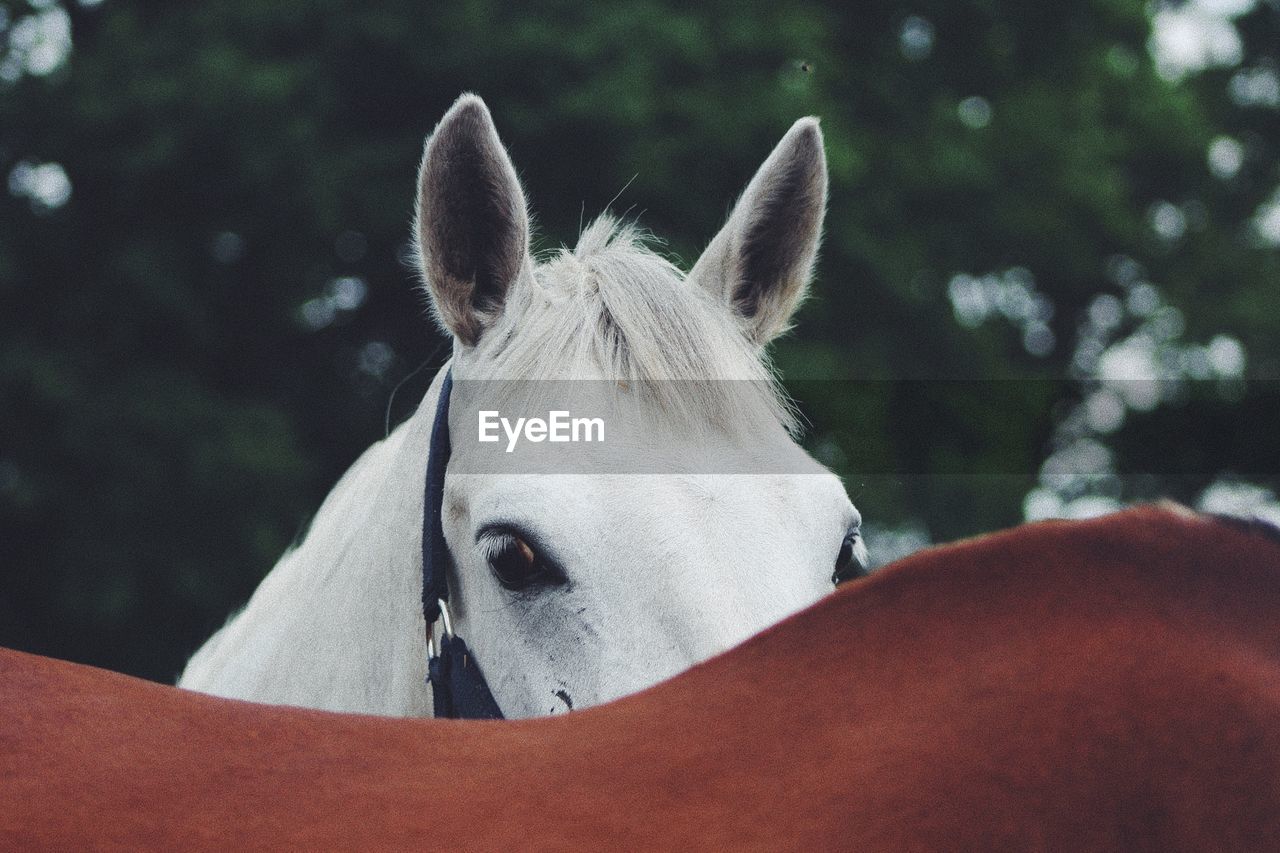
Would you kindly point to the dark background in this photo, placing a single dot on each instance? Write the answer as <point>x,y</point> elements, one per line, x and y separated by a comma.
<point>205,300</point>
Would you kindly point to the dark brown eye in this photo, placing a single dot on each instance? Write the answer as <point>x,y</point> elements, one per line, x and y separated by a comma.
<point>518,566</point>
<point>850,563</point>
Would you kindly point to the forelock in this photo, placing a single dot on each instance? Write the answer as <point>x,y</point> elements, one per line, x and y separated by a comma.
<point>615,308</point>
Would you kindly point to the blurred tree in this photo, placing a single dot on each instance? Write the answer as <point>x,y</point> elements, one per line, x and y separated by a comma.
<point>205,297</point>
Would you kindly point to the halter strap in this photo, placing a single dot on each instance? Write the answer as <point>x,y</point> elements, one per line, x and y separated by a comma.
<point>458,688</point>
<point>435,551</point>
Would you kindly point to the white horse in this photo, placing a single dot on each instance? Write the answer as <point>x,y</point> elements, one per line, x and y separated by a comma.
<point>572,589</point>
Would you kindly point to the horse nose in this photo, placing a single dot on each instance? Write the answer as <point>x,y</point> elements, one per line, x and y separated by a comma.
<point>856,572</point>
<point>854,562</point>
<point>861,559</point>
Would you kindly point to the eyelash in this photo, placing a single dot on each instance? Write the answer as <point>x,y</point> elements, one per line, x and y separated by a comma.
<point>499,542</point>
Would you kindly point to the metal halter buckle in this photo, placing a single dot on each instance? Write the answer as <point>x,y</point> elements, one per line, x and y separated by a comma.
<point>446,630</point>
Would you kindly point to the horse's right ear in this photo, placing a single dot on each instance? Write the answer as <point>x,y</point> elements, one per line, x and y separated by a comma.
<point>472,226</point>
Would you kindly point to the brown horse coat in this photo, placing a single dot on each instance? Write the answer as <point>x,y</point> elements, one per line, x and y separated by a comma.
<point>1111,684</point>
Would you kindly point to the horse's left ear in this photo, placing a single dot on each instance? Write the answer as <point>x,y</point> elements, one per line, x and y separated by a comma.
<point>762,260</point>
<point>473,228</point>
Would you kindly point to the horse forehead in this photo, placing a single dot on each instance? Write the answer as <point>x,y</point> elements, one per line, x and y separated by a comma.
<point>637,494</point>
<point>772,493</point>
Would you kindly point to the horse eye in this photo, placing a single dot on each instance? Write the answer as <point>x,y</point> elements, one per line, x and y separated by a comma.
<point>849,561</point>
<point>517,566</point>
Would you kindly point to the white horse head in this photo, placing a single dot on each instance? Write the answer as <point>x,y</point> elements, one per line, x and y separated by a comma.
<point>571,588</point>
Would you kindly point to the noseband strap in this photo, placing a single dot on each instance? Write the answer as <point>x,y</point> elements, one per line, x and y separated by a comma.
<point>458,688</point>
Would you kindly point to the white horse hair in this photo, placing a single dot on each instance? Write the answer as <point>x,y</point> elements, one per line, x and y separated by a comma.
<point>572,589</point>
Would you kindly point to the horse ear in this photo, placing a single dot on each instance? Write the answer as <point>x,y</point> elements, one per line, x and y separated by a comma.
<point>762,260</point>
<point>472,226</point>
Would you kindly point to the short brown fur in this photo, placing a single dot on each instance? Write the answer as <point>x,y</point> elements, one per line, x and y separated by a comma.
<point>1111,684</point>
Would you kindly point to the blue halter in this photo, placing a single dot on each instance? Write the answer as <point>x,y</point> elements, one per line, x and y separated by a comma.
<point>458,688</point>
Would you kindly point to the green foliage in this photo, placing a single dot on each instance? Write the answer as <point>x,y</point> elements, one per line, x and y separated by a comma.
<point>181,380</point>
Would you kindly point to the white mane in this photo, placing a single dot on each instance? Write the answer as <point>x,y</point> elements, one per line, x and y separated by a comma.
<point>612,308</point>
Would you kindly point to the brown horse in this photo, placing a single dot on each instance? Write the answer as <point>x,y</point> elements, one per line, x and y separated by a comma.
<point>1111,684</point>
